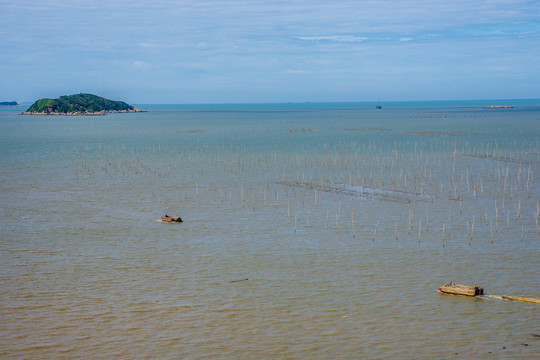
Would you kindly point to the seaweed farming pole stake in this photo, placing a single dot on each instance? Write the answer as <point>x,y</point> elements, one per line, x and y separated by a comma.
<point>327,214</point>
<point>443,235</point>
<point>411,220</point>
<point>419,230</point>
<point>521,229</point>
<point>472,232</point>
<point>352,220</point>
<point>491,230</point>
<point>496,217</point>
<point>375,232</point>
<point>338,216</point>
<point>537,218</point>
<point>288,211</point>
<point>529,179</point>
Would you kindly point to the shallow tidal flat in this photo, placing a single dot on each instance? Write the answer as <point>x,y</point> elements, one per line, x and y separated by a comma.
<point>480,190</point>
<point>313,233</point>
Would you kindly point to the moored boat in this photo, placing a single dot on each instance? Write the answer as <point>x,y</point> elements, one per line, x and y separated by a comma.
<point>457,289</point>
<point>168,218</point>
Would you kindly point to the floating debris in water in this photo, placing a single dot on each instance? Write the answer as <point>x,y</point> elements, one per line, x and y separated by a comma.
<point>519,298</point>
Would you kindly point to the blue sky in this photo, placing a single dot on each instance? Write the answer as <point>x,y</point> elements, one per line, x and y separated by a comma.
<point>244,51</point>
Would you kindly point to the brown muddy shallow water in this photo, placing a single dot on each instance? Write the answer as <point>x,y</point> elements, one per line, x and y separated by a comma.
<point>321,244</point>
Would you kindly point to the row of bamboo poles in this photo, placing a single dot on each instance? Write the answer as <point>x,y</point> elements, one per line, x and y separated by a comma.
<point>483,188</point>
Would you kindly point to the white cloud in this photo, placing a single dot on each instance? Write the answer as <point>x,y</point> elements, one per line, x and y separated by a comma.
<point>139,64</point>
<point>147,45</point>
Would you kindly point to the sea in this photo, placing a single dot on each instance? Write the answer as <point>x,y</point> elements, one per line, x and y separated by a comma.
<point>310,231</point>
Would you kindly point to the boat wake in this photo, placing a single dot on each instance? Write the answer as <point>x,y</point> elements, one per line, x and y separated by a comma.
<point>512,298</point>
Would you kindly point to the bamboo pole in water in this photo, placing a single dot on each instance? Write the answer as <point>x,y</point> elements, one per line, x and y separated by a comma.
<point>375,232</point>
<point>419,230</point>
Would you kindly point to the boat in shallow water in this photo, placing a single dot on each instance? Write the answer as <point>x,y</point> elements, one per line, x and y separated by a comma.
<point>168,218</point>
<point>457,289</point>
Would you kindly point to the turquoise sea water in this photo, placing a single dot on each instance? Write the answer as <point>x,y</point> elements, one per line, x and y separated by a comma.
<point>344,220</point>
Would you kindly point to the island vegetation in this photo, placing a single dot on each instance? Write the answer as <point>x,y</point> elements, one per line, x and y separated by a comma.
<point>79,104</point>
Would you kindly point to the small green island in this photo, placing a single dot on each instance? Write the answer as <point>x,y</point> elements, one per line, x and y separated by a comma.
<point>9,103</point>
<point>79,104</point>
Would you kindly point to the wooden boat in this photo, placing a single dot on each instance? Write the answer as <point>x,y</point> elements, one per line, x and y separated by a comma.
<point>168,218</point>
<point>456,289</point>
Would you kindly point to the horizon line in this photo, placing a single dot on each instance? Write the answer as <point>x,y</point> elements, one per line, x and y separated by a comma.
<point>337,102</point>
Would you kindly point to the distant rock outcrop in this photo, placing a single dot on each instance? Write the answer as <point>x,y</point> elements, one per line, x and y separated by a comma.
<point>79,104</point>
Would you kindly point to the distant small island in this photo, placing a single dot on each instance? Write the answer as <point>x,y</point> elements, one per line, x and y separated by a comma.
<point>79,104</point>
<point>9,103</point>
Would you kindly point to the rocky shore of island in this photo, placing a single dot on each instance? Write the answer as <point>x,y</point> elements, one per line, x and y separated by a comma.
<point>84,113</point>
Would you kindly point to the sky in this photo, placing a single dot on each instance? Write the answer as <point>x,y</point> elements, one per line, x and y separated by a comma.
<point>265,51</point>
